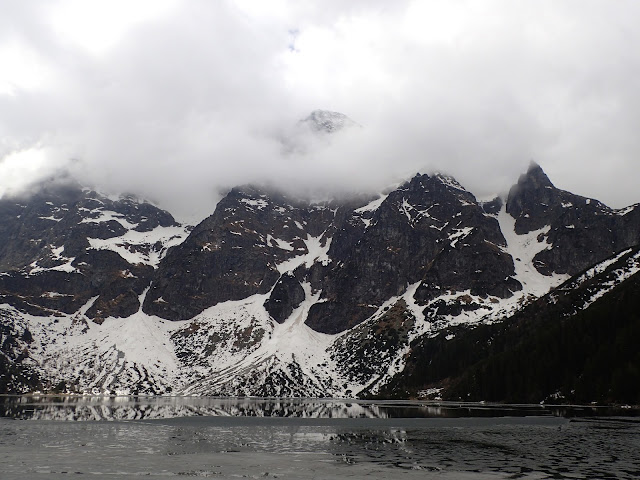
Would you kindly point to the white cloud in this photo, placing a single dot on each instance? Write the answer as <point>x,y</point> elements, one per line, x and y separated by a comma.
<point>98,26</point>
<point>181,99</point>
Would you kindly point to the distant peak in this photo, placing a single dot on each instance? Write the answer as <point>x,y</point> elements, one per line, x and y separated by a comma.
<point>533,165</point>
<point>327,121</point>
<point>535,177</point>
<point>533,190</point>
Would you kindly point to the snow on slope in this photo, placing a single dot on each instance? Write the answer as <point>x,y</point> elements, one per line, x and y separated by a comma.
<point>619,275</point>
<point>122,355</point>
<point>222,336</point>
<point>143,247</point>
<point>316,252</point>
<point>523,249</point>
<point>370,354</point>
<point>612,272</point>
<point>289,360</point>
<point>373,205</point>
<point>474,309</point>
<point>235,348</point>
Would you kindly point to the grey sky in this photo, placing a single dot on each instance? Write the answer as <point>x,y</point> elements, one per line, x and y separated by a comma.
<point>180,100</point>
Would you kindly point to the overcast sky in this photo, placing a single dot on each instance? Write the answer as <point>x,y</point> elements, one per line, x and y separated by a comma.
<point>180,100</point>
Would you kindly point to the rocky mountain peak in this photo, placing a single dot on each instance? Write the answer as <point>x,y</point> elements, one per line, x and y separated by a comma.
<point>535,177</point>
<point>561,219</point>
<point>328,122</point>
<point>530,199</point>
<point>430,233</point>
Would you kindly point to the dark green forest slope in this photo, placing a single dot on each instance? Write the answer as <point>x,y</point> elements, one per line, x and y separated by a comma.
<point>551,351</point>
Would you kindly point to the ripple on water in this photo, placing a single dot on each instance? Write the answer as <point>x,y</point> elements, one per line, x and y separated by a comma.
<point>304,448</point>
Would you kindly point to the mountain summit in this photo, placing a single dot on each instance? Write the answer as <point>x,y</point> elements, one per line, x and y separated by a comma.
<point>328,122</point>
<point>579,231</point>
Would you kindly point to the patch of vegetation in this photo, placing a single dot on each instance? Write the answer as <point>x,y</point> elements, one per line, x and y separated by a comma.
<point>366,350</point>
<point>16,375</point>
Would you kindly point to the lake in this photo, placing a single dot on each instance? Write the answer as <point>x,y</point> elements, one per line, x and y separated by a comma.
<point>130,437</point>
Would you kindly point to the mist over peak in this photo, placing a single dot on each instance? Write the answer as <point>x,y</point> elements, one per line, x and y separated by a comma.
<point>197,97</point>
<point>327,121</point>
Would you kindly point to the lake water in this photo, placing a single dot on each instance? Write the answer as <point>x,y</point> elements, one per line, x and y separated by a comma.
<point>130,437</point>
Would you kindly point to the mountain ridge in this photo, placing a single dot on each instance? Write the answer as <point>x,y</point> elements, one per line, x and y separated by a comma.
<point>271,295</point>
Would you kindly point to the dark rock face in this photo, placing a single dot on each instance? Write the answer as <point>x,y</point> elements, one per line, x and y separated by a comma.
<point>581,231</point>
<point>17,375</point>
<point>492,207</point>
<point>287,295</point>
<point>49,263</point>
<point>235,252</point>
<point>429,230</point>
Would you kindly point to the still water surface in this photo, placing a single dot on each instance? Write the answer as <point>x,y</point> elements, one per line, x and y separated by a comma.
<point>129,437</point>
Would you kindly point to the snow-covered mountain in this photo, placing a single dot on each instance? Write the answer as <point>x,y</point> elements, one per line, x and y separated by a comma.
<point>274,296</point>
<point>324,121</point>
<point>67,249</point>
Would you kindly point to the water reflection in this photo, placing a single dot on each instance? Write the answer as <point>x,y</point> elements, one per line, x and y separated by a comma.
<point>309,439</point>
<point>42,407</point>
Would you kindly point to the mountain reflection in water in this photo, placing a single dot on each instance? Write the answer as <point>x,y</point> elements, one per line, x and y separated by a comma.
<point>45,407</point>
<point>127,437</point>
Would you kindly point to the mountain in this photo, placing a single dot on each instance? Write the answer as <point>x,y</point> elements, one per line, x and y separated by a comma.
<point>414,290</point>
<point>67,248</point>
<point>579,231</point>
<point>324,121</point>
<point>252,238</point>
<point>430,234</point>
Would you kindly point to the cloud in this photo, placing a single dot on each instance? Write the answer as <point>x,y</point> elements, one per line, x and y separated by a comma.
<point>180,102</point>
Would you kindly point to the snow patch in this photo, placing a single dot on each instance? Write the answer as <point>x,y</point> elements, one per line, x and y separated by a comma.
<point>458,234</point>
<point>284,245</point>
<point>108,215</point>
<point>147,248</point>
<point>373,205</point>
<point>623,211</point>
<point>316,252</point>
<point>406,207</point>
<point>257,203</point>
<point>56,254</point>
<point>523,248</point>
